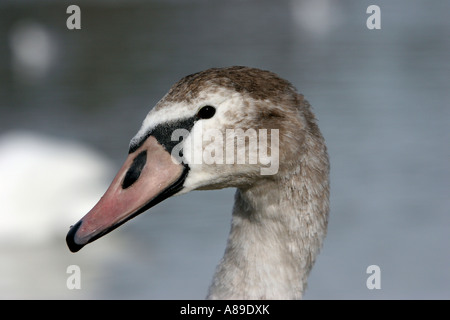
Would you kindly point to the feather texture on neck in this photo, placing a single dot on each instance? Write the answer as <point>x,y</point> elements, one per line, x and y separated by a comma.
<point>278,227</point>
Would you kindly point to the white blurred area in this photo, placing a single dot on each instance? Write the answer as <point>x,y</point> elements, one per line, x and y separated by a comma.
<point>317,18</point>
<point>34,50</point>
<point>46,185</point>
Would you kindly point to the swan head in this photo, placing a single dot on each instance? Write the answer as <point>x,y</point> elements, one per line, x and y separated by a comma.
<point>222,127</point>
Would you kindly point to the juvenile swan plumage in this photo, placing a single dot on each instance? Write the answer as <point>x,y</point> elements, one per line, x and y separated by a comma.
<point>280,215</point>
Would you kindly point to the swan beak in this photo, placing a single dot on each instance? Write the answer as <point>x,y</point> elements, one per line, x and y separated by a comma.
<point>148,176</point>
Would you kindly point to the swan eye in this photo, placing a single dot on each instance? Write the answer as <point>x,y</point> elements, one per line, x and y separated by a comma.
<point>206,112</point>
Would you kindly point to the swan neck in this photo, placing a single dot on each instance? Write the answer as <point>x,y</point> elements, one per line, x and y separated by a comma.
<point>272,244</point>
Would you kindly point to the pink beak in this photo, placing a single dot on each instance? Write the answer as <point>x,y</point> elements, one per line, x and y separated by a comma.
<point>148,176</point>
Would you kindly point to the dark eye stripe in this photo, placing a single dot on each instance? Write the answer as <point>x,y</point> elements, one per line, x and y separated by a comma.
<point>163,133</point>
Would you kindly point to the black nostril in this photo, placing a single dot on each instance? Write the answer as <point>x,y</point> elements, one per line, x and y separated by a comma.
<point>135,170</point>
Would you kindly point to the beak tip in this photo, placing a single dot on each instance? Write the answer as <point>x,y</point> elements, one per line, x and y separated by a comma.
<point>70,238</point>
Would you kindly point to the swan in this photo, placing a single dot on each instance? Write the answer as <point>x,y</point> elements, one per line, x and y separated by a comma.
<point>279,218</point>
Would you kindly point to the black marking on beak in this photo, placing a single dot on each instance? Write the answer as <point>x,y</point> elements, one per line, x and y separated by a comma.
<point>70,238</point>
<point>135,170</point>
<point>163,134</point>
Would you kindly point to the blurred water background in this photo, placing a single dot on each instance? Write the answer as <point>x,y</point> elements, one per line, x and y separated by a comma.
<point>70,101</point>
